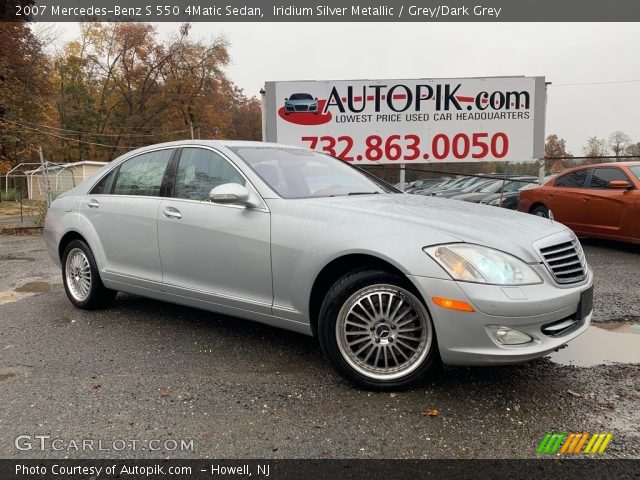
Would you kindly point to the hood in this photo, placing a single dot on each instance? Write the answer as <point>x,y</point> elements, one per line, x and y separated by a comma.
<point>440,220</point>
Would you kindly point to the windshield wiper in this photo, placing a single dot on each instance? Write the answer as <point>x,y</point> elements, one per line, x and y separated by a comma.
<point>363,193</point>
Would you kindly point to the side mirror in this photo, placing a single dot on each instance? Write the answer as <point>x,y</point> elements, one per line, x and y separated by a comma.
<point>316,98</point>
<point>232,193</point>
<point>286,99</point>
<point>619,184</point>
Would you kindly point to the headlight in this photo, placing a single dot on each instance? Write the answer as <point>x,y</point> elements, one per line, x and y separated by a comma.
<point>474,263</point>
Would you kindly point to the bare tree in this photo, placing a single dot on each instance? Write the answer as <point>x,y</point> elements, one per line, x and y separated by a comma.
<point>633,149</point>
<point>618,142</point>
<point>595,147</point>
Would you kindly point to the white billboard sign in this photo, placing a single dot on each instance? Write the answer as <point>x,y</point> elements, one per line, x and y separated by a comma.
<point>411,121</point>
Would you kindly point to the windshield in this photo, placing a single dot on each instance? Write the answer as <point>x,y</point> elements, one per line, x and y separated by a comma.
<point>297,173</point>
<point>636,171</point>
<point>300,96</point>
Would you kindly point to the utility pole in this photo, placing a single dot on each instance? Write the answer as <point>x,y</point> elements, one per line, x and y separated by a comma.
<point>45,177</point>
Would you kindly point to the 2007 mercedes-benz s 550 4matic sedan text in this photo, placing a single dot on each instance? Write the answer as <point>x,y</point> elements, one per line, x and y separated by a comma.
<point>391,284</point>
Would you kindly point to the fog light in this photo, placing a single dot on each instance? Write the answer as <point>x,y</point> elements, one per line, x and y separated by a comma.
<point>509,336</point>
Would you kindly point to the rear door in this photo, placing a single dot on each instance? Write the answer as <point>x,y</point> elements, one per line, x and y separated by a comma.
<point>568,197</point>
<point>606,207</point>
<point>212,252</point>
<point>122,210</point>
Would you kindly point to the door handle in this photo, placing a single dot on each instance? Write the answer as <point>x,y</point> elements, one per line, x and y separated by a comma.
<point>93,203</point>
<point>171,212</point>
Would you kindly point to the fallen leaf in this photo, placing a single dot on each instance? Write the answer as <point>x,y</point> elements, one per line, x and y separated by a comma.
<point>430,412</point>
<point>165,392</point>
<point>97,386</point>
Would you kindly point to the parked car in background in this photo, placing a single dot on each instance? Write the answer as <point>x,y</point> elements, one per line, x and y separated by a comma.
<point>497,186</point>
<point>600,201</point>
<point>472,185</point>
<point>443,185</point>
<point>510,200</point>
<point>424,183</point>
<point>390,284</point>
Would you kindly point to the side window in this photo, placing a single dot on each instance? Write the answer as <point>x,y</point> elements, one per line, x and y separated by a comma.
<point>105,183</point>
<point>573,179</point>
<point>602,176</point>
<point>200,170</point>
<point>142,175</point>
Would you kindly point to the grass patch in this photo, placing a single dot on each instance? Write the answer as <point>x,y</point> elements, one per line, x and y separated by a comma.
<point>29,207</point>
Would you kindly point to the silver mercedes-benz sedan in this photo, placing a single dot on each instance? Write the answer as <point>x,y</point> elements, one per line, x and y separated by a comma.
<point>391,284</point>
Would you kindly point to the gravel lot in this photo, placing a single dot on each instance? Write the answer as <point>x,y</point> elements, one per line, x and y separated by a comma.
<point>146,370</point>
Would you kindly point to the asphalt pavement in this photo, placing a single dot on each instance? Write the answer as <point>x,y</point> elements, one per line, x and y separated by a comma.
<point>222,387</point>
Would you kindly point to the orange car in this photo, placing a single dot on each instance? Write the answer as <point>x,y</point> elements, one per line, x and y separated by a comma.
<point>594,201</point>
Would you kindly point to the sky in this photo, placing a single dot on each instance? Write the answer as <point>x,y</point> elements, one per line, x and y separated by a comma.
<point>565,53</point>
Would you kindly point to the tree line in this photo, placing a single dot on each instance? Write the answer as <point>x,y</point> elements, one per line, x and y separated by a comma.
<point>115,87</point>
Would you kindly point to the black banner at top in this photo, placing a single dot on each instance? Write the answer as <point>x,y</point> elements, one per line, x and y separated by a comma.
<point>323,10</point>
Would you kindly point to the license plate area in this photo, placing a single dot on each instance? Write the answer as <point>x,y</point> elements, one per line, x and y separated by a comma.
<point>585,307</point>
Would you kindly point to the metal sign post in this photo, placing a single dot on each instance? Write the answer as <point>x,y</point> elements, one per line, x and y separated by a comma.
<point>45,178</point>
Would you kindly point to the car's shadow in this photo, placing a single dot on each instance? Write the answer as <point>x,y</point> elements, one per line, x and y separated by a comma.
<point>610,245</point>
<point>298,354</point>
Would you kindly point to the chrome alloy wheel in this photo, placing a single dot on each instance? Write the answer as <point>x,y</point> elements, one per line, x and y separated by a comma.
<point>384,332</point>
<point>78,274</point>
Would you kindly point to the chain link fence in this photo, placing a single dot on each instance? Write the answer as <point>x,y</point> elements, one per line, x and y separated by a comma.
<point>27,189</point>
<point>391,173</point>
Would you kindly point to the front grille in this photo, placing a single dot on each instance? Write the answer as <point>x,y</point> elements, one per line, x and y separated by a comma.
<point>565,261</point>
<point>301,108</point>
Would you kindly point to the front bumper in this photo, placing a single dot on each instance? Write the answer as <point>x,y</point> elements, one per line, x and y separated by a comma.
<point>468,339</point>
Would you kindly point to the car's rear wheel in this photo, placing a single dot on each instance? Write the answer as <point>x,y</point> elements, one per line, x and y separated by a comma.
<point>81,278</point>
<point>376,331</point>
<point>540,211</point>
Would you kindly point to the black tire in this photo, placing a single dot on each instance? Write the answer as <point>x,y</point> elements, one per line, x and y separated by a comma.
<point>540,211</point>
<point>333,317</point>
<point>97,295</point>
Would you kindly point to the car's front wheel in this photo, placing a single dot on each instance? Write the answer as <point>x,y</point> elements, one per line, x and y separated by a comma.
<point>81,278</point>
<point>376,331</point>
<point>540,211</point>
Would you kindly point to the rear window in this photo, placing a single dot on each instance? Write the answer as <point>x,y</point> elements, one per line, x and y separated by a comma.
<point>105,184</point>
<point>575,179</point>
<point>142,175</point>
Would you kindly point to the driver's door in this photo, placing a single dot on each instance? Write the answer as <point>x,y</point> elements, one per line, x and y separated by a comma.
<point>213,252</point>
